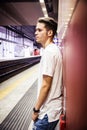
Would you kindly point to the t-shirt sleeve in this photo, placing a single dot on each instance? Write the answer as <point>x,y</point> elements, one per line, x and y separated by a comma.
<point>48,66</point>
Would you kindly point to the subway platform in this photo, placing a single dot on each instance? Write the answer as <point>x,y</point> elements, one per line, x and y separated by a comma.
<point>17,98</point>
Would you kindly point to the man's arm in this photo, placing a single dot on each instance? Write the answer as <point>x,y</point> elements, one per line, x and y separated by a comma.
<point>46,85</point>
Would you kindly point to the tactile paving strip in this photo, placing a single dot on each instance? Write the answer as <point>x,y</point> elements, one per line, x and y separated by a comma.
<point>20,117</point>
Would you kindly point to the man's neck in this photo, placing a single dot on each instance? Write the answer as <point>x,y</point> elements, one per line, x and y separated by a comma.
<point>47,43</point>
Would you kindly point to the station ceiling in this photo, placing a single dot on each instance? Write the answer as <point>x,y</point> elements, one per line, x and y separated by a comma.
<point>22,15</point>
<point>19,12</point>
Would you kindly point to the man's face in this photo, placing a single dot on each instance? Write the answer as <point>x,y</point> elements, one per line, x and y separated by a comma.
<point>41,34</point>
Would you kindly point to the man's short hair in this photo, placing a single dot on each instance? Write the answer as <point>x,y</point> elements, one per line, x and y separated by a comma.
<point>50,23</point>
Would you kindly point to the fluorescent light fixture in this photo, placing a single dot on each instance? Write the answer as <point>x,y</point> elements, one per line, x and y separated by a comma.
<point>45,15</point>
<point>70,14</point>
<point>71,8</point>
<point>41,1</point>
<point>43,8</point>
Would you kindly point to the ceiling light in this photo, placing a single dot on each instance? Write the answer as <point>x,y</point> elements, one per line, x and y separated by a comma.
<point>43,8</point>
<point>41,1</point>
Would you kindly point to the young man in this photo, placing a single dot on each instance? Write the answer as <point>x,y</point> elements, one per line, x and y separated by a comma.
<point>48,106</point>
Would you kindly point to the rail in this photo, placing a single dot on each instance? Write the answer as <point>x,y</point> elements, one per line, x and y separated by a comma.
<point>10,68</point>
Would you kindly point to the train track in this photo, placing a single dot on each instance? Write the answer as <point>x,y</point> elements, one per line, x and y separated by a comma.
<point>10,68</point>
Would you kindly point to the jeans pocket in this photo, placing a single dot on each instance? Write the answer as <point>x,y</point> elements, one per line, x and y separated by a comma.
<point>41,124</point>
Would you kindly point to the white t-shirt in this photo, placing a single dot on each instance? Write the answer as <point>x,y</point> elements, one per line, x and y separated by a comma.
<point>51,65</point>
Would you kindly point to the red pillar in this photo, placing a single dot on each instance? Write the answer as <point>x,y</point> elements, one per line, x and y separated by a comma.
<point>75,69</point>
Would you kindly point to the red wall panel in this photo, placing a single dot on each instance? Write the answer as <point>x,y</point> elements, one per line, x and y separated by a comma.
<point>75,71</point>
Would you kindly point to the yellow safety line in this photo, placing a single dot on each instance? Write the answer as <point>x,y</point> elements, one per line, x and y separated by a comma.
<point>8,89</point>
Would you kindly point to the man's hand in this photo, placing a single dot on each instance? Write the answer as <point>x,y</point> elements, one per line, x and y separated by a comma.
<point>35,116</point>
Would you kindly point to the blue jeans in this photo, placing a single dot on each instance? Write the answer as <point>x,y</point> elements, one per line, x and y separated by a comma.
<point>43,124</point>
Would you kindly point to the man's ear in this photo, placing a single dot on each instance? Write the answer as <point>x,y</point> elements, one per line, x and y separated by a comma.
<point>50,33</point>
